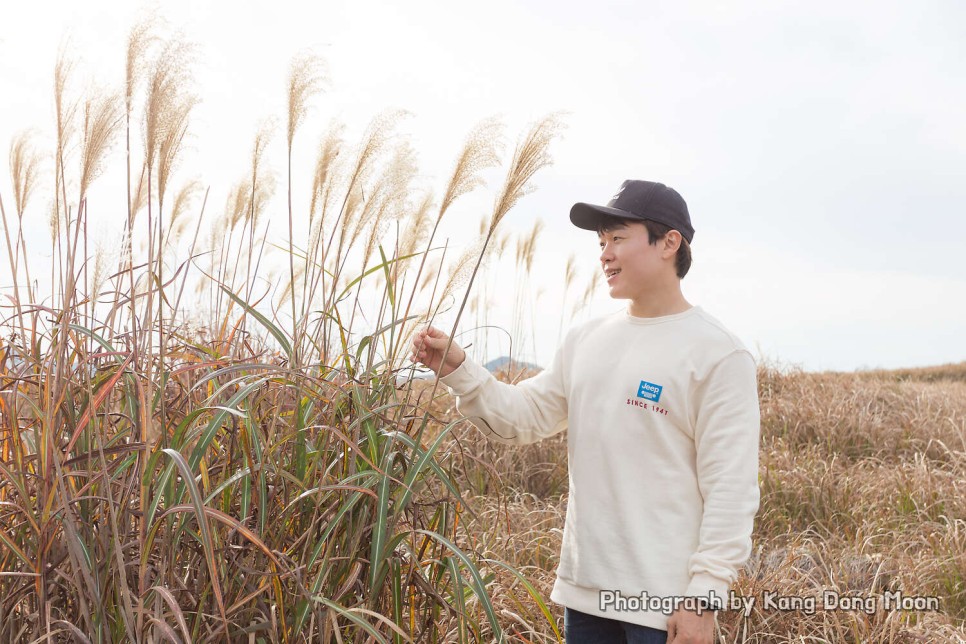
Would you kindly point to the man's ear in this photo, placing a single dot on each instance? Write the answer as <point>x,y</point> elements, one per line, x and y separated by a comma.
<point>672,242</point>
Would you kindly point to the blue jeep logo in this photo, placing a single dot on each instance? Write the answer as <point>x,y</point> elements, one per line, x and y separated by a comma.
<point>649,391</point>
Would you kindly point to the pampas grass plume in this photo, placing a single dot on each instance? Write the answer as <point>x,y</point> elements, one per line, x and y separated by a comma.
<point>531,155</point>
<point>481,151</point>
<point>307,77</point>
<point>24,163</point>
<point>102,118</point>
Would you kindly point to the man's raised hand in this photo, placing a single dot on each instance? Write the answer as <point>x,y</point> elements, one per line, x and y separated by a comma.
<point>429,343</point>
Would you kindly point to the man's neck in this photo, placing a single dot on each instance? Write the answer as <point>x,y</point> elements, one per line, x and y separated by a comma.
<point>656,305</point>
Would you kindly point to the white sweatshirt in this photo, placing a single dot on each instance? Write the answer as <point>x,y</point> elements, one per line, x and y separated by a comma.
<point>663,428</point>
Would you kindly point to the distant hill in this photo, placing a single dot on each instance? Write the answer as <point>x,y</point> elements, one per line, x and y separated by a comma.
<point>492,366</point>
<point>953,372</point>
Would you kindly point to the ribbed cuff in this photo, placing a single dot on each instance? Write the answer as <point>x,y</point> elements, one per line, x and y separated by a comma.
<point>703,585</point>
<point>464,378</point>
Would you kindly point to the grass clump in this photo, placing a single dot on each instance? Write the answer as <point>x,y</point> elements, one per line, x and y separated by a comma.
<point>245,478</point>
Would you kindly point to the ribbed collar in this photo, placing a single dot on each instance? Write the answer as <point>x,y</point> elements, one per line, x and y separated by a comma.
<point>661,319</point>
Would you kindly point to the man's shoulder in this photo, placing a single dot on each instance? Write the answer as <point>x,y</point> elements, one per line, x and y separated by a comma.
<point>712,341</point>
<point>715,331</point>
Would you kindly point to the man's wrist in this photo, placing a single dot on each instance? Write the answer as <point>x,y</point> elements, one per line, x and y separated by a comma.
<point>705,604</point>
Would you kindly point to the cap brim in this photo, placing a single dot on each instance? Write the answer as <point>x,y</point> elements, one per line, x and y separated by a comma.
<point>586,215</point>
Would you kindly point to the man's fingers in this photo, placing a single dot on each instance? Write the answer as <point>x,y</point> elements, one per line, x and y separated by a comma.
<point>437,343</point>
<point>429,340</point>
<point>433,337</point>
<point>672,630</point>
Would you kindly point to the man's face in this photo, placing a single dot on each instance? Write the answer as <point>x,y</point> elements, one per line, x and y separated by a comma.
<point>641,265</point>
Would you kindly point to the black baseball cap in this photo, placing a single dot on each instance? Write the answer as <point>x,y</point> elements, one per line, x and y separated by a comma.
<point>639,200</point>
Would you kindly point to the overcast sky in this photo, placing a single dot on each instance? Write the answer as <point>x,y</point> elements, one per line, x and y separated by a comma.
<point>821,147</point>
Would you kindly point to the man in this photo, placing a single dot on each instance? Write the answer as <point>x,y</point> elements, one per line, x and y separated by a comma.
<point>661,406</point>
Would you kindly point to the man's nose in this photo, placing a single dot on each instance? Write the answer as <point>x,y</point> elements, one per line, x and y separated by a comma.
<point>605,252</point>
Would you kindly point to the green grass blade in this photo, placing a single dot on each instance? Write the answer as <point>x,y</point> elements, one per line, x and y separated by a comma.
<point>457,580</point>
<point>10,543</point>
<point>433,465</point>
<point>205,530</point>
<point>397,594</point>
<point>377,562</point>
<point>277,333</point>
<point>478,586</point>
<point>350,614</point>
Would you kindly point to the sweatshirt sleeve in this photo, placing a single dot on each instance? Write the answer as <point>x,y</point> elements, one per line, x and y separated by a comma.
<point>726,436</point>
<point>518,414</point>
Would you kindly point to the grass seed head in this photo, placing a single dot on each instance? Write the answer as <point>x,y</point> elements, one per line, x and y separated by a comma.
<point>261,188</point>
<point>325,170</point>
<point>373,144</point>
<point>102,118</point>
<point>570,271</point>
<point>64,110</point>
<point>24,167</point>
<point>167,103</point>
<point>463,267</point>
<point>171,143</point>
<point>531,155</point>
<point>531,243</point>
<point>53,220</point>
<point>184,198</point>
<point>182,201</point>
<point>139,41</point>
<point>480,151</point>
<point>416,230</point>
<point>430,276</point>
<point>307,76</point>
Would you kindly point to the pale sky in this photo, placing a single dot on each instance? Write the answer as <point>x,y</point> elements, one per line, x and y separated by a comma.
<point>821,147</point>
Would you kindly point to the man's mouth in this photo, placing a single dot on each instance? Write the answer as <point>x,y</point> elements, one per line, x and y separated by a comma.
<point>612,273</point>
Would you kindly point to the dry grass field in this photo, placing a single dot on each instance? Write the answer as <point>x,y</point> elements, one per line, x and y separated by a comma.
<point>189,456</point>
<point>863,480</point>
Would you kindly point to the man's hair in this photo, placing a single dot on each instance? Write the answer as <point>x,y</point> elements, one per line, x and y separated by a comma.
<point>655,232</point>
